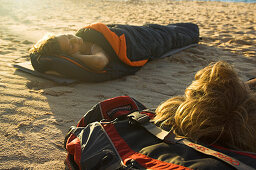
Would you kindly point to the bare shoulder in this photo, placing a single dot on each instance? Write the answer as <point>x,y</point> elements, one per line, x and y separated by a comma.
<point>92,49</point>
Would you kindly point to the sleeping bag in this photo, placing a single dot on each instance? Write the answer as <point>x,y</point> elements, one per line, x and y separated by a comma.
<point>129,48</point>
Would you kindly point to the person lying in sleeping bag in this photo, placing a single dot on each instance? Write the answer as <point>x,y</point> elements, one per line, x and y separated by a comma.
<point>101,52</point>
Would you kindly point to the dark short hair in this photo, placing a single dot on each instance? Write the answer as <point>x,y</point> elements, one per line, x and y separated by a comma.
<point>47,46</point>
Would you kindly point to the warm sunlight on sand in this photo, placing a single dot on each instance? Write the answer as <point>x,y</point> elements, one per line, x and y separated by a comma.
<point>37,113</point>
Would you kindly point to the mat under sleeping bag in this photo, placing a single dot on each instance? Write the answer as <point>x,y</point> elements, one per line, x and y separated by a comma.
<point>129,48</point>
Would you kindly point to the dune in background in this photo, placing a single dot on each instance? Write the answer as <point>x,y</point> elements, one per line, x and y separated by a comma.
<point>35,114</point>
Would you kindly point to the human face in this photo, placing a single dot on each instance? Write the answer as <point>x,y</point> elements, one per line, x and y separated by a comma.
<point>70,44</point>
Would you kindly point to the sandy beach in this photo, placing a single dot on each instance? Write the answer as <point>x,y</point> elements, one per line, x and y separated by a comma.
<point>35,114</point>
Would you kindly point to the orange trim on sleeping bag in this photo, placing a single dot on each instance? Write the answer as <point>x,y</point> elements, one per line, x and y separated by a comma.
<point>76,63</point>
<point>117,43</point>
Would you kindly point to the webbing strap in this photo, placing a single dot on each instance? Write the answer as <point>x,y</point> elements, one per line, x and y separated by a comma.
<point>230,160</point>
<point>168,137</point>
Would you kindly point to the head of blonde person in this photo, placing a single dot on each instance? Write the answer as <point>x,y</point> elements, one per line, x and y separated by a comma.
<point>217,108</point>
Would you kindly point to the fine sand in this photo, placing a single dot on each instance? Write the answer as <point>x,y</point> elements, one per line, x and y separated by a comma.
<point>35,113</point>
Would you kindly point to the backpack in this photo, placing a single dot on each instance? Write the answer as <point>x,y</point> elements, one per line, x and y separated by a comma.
<point>118,134</point>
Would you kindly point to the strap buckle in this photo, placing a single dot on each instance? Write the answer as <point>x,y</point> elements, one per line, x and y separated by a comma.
<point>137,117</point>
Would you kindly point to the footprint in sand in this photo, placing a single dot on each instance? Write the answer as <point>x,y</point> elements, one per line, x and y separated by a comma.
<point>239,32</point>
<point>23,126</point>
<point>4,52</point>
<point>26,42</point>
<point>2,85</point>
<point>242,42</point>
<point>226,39</point>
<point>55,92</point>
<point>101,96</point>
<point>9,39</point>
<point>37,85</point>
<point>195,51</point>
<point>11,48</point>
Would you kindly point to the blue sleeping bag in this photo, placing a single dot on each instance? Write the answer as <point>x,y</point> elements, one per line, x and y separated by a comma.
<point>129,48</point>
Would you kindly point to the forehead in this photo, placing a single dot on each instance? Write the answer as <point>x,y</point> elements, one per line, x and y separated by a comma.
<point>63,42</point>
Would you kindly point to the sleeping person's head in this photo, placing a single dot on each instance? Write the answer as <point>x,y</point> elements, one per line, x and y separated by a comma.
<point>69,44</point>
<point>55,45</point>
<point>217,108</point>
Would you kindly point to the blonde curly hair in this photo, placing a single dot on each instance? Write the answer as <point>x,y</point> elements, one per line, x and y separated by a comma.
<point>217,108</point>
<point>47,46</point>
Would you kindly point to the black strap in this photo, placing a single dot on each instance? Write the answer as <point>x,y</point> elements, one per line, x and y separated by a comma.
<point>168,137</point>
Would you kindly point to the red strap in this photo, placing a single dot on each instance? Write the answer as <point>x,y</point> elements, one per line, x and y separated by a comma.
<point>252,155</point>
<point>81,123</point>
<point>126,153</point>
<point>74,148</point>
<point>117,106</point>
<point>169,137</point>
